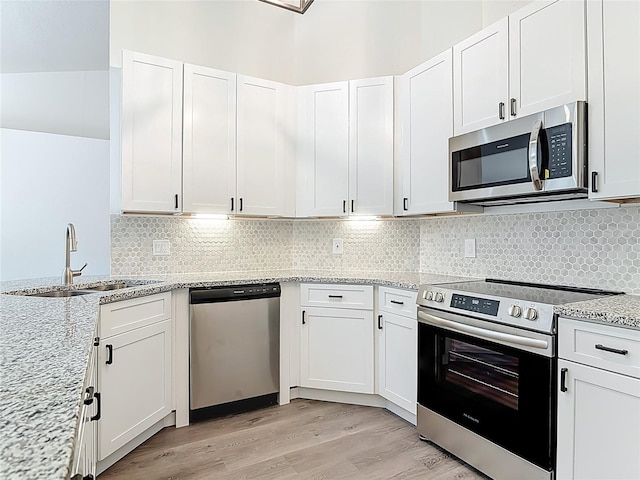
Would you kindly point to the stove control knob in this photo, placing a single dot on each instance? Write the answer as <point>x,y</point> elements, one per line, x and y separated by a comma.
<point>428,295</point>
<point>439,297</point>
<point>515,311</point>
<point>531,314</point>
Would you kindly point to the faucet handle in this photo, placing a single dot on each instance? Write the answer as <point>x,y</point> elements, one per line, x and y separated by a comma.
<point>77,273</point>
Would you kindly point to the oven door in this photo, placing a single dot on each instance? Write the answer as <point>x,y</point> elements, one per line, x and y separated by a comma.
<point>498,389</point>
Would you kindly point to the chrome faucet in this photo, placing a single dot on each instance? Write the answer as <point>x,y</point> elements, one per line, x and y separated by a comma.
<point>71,246</point>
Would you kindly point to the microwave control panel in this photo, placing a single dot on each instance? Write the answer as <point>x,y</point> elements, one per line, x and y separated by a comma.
<point>559,142</point>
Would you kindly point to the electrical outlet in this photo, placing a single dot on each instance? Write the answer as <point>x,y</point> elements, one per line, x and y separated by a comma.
<point>161,247</point>
<point>337,246</point>
<point>470,248</point>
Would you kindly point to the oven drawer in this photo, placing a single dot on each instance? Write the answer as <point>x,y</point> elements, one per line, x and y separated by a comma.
<point>400,302</point>
<point>608,347</point>
<point>340,296</point>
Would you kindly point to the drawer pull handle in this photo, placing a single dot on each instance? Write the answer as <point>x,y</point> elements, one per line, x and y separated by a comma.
<point>110,353</point>
<point>335,296</point>
<point>303,320</point>
<point>396,302</point>
<point>563,379</point>
<point>612,350</point>
<point>379,322</point>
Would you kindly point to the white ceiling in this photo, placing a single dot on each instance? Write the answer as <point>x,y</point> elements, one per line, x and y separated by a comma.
<point>54,35</point>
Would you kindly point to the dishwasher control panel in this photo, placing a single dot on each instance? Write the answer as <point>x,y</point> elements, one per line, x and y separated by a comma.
<point>234,292</point>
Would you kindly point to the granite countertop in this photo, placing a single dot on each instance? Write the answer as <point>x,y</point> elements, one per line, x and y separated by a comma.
<point>621,310</point>
<point>45,344</point>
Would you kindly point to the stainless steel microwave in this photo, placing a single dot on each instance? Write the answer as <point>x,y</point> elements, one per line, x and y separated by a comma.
<point>535,158</point>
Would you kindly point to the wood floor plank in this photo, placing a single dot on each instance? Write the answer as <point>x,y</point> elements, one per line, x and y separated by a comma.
<point>306,439</point>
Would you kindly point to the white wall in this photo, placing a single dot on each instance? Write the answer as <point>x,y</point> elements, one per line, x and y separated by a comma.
<point>67,103</point>
<point>244,36</point>
<point>46,182</point>
<point>494,10</point>
<point>333,40</point>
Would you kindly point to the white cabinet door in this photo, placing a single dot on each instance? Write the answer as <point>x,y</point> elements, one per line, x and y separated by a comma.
<point>85,452</point>
<point>547,55</point>
<point>371,146</point>
<point>323,160</point>
<point>151,133</point>
<point>209,142</point>
<point>598,425</point>
<point>614,98</point>
<point>398,359</point>
<point>262,147</point>
<point>135,384</point>
<point>481,73</point>
<point>336,351</point>
<point>426,110</point>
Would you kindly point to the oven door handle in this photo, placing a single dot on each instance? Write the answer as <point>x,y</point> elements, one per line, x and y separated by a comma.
<point>484,333</point>
<point>533,155</point>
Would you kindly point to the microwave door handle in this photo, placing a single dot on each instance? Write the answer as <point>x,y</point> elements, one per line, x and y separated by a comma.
<point>533,155</point>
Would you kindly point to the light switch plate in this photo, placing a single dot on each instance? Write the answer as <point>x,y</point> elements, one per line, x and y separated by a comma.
<point>470,248</point>
<point>161,247</point>
<point>337,246</point>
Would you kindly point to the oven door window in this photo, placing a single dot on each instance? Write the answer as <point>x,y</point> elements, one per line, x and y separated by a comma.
<point>501,393</point>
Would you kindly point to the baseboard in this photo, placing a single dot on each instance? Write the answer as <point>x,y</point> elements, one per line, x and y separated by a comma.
<point>402,413</point>
<point>365,399</point>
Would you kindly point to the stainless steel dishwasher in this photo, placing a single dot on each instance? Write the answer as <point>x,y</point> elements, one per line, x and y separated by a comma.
<point>234,344</point>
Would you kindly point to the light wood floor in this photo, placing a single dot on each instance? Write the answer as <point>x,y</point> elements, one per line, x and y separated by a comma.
<point>303,440</point>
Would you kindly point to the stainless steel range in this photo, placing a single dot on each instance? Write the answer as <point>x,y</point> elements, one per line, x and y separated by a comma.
<point>487,373</point>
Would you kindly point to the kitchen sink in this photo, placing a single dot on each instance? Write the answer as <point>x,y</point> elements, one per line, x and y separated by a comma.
<point>61,293</point>
<point>111,286</point>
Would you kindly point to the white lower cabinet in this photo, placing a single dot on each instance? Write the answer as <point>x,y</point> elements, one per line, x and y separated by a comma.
<point>84,450</point>
<point>598,405</point>
<point>134,370</point>
<point>398,347</point>
<point>336,349</point>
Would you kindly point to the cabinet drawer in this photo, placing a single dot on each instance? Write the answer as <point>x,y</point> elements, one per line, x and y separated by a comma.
<point>612,348</point>
<point>400,302</point>
<point>120,317</point>
<point>341,296</point>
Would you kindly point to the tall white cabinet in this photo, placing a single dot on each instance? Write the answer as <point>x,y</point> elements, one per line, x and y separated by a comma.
<point>209,141</point>
<point>345,160</point>
<point>598,402</point>
<point>614,98</point>
<point>151,134</point>
<point>264,154</point>
<point>425,113</point>
<point>531,61</point>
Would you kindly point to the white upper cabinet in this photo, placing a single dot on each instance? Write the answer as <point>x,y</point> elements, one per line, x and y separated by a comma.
<point>481,75</point>
<point>547,56</point>
<point>323,157</point>
<point>614,98</point>
<point>151,133</point>
<point>209,141</point>
<point>345,162</point>
<point>425,113</point>
<point>528,62</point>
<point>371,146</point>
<point>264,136</point>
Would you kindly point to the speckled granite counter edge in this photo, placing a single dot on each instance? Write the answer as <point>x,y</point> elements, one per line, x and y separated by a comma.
<point>618,310</point>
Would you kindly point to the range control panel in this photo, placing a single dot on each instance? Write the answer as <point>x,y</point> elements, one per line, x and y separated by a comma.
<point>475,304</point>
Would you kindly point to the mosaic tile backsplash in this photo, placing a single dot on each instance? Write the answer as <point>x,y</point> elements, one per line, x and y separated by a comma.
<point>597,248</point>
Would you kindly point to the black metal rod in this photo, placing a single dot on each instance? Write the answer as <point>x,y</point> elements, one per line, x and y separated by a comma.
<point>240,203</point>
<point>176,197</point>
<point>335,296</point>
<point>594,182</point>
<point>344,206</point>
<point>232,204</point>
<point>563,379</point>
<point>303,320</point>
<point>405,202</point>
<point>379,322</point>
<point>396,302</point>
